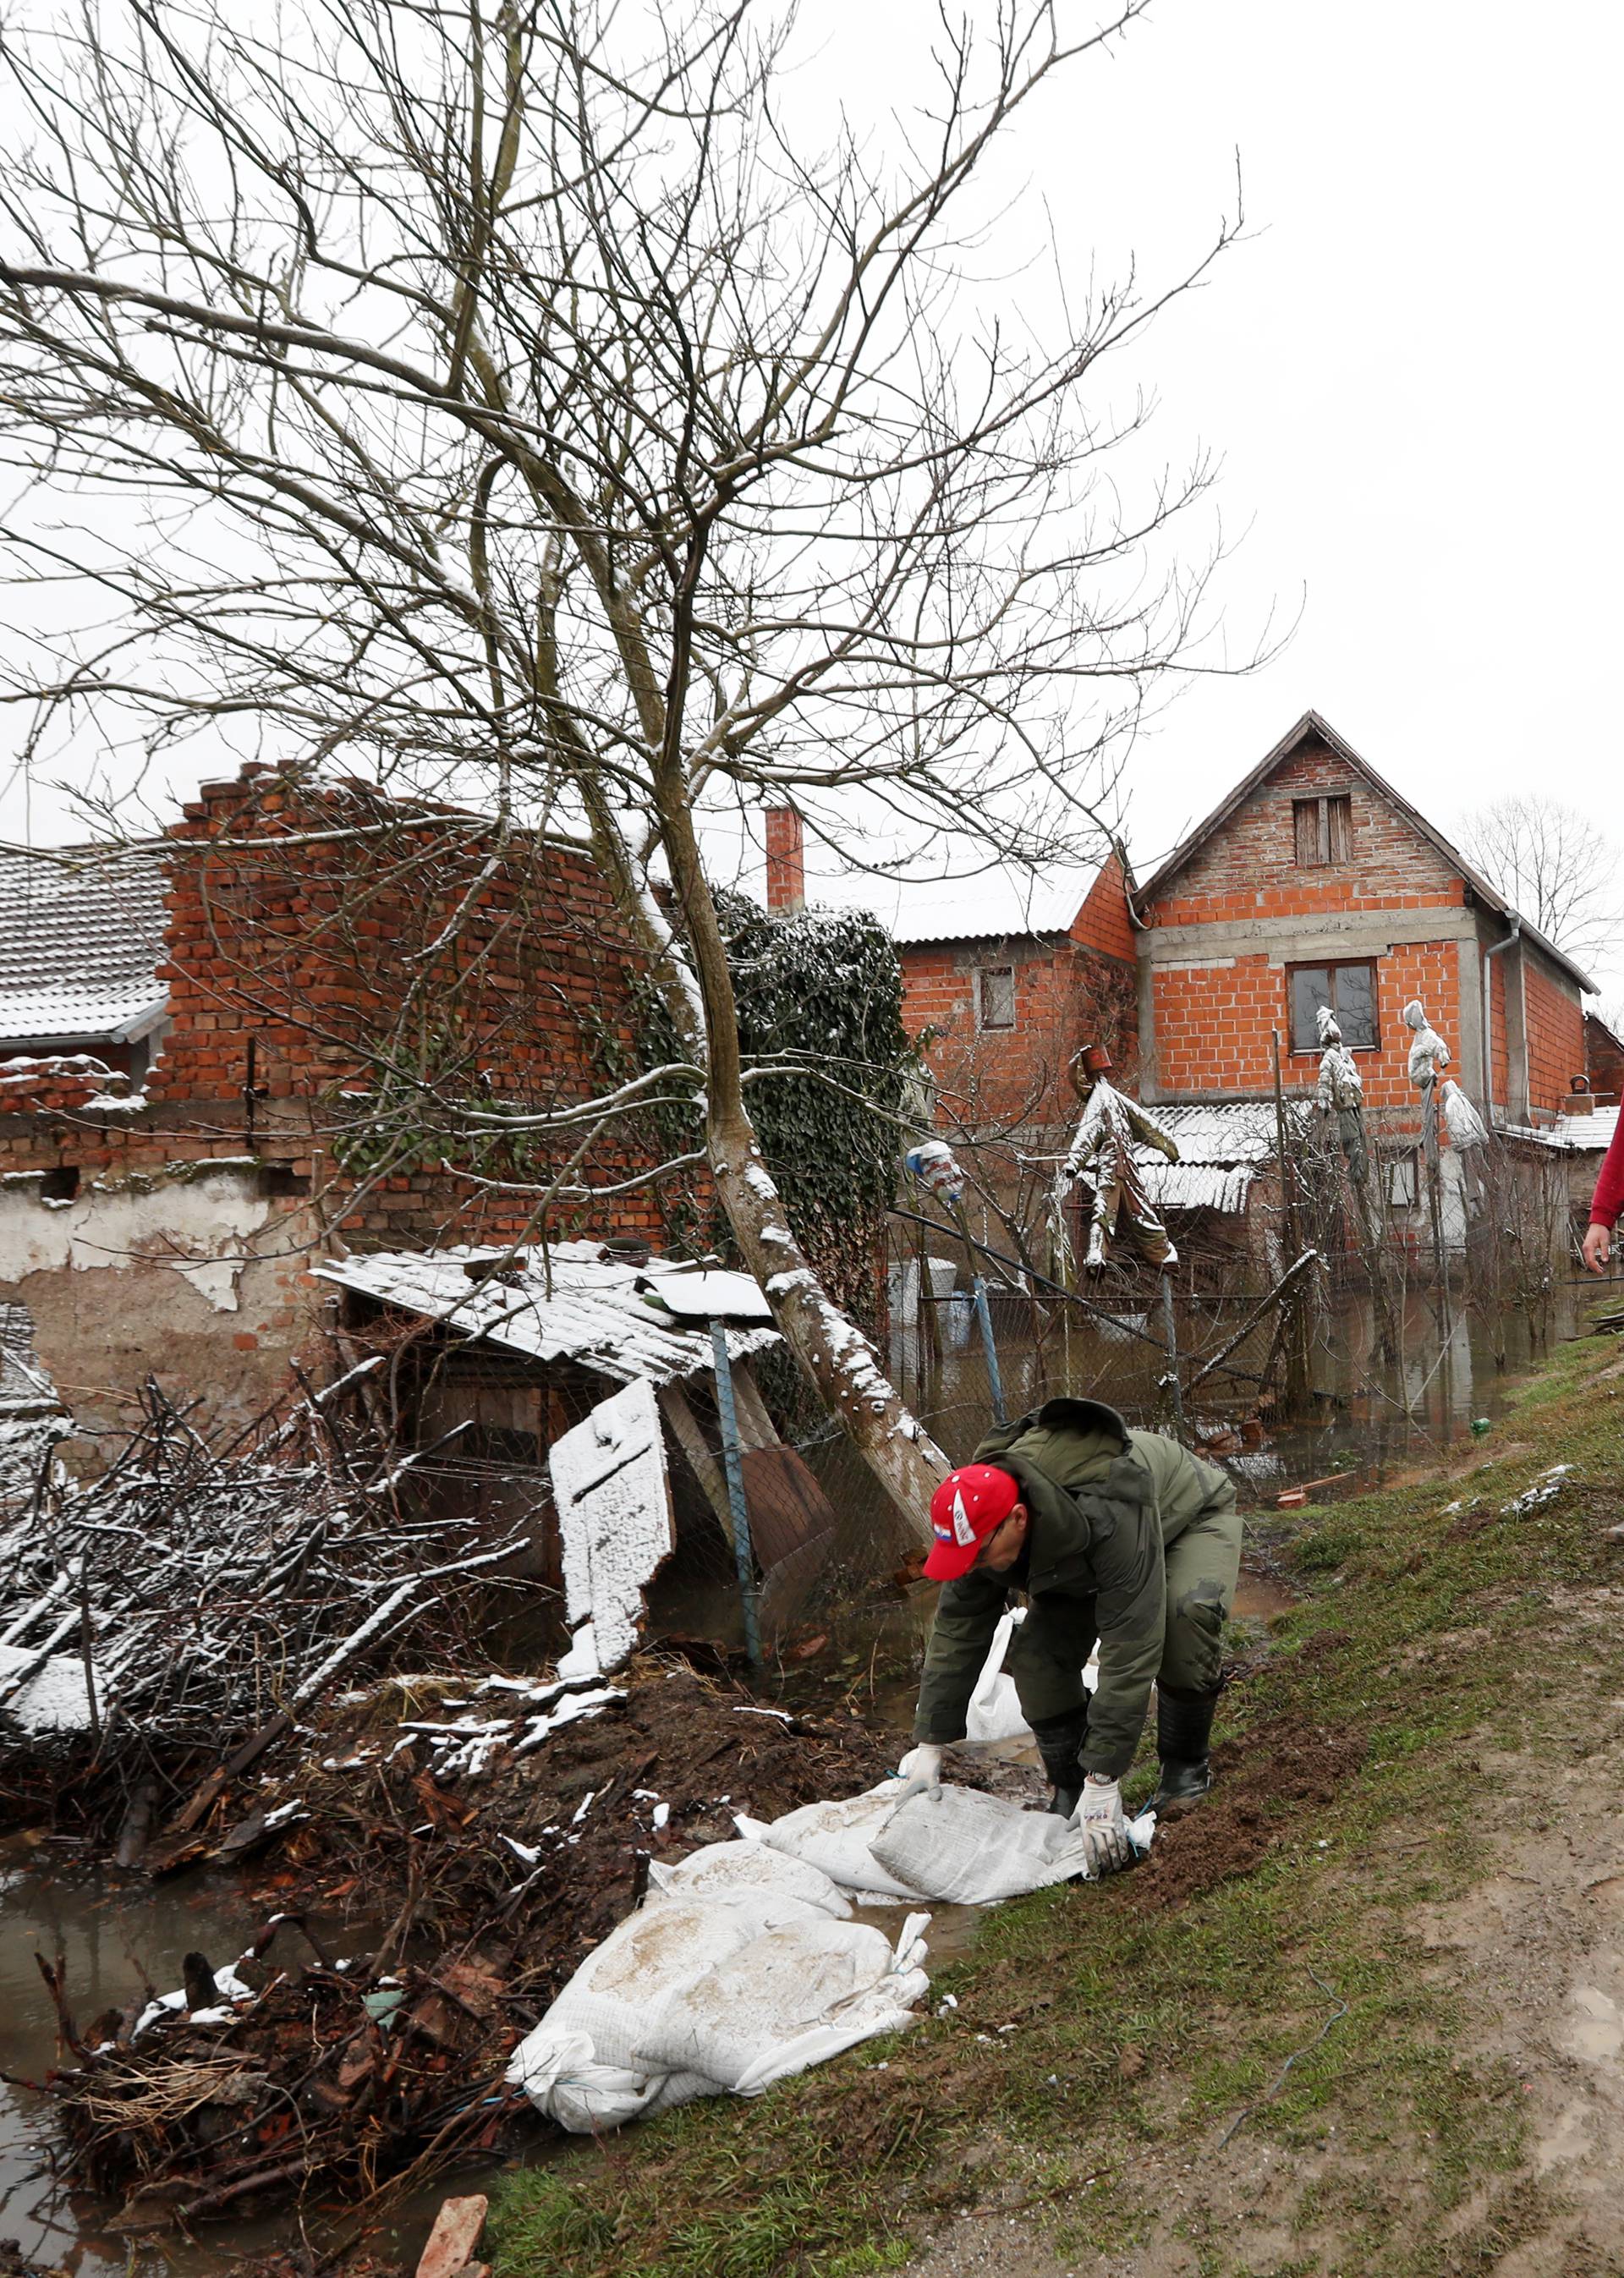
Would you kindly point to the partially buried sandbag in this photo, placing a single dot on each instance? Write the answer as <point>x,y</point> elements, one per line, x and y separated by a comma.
<point>722,1870</point>
<point>835,1837</point>
<point>792,1998</point>
<point>969,1849</point>
<point>579,2065</point>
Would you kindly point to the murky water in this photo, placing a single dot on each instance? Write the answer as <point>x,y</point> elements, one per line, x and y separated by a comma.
<point>113,1934</point>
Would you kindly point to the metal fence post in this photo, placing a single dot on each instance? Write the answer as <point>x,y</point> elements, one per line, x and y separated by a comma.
<point>733,1465</point>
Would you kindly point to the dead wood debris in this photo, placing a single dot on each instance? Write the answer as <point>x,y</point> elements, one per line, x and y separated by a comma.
<point>344,2073</point>
<point>209,1588</point>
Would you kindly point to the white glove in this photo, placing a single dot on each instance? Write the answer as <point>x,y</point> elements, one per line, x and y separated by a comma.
<point>919,1772</point>
<point>1099,1816</point>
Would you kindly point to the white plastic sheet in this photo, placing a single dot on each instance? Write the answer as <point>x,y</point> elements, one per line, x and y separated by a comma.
<point>995,1713</point>
<point>723,1870</point>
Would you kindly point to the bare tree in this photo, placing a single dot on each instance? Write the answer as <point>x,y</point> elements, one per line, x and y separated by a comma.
<point>1551,863</point>
<point>504,400</point>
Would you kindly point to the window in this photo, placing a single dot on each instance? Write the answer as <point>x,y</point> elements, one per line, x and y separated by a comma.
<point>1325,831</point>
<point>995,988</point>
<point>1349,991</point>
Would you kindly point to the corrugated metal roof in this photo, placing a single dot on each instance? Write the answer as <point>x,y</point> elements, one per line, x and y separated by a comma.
<point>1196,1186</point>
<point>1226,1131</point>
<point>1003,902</point>
<point>79,947</point>
<point>571,1302</point>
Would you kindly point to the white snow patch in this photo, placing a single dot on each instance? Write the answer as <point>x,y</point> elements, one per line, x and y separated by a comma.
<point>615,1526</point>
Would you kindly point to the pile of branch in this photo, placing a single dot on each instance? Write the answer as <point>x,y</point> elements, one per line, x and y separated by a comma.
<point>341,2074</point>
<point>197,1593</point>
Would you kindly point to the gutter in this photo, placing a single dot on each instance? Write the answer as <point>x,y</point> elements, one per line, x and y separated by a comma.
<point>1515,919</point>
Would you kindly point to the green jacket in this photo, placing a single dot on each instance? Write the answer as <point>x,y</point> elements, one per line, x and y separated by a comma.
<point>1105,1504</point>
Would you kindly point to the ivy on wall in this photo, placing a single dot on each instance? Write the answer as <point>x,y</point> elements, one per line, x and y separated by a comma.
<point>820,994</point>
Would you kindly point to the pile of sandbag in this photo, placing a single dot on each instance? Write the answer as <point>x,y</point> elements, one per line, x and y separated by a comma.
<point>743,1965</point>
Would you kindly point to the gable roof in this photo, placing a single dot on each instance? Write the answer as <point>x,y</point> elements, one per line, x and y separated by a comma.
<point>1313,727</point>
<point>79,947</point>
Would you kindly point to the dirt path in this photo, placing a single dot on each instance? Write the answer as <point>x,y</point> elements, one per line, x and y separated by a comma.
<point>1530,1959</point>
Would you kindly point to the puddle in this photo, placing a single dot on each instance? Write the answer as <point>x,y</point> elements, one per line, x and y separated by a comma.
<point>115,1933</point>
<point>1258,1597</point>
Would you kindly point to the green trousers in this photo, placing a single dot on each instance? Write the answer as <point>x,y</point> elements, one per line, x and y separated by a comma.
<point>1049,1649</point>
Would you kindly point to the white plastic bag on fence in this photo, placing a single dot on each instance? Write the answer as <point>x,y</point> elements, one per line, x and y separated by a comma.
<point>835,1837</point>
<point>793,1998</point>
<point>579,2066</point>
<point>973,1849</point>
<point>723,1870</point>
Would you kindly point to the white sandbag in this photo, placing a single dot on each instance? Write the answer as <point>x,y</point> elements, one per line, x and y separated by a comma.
<point>790,1998</point>
<point>995,1710</point>
<point>835,1837</point>
<point>725,1870</point>
<point>995,1713</point>
<point>972,1849</point>
<point>578,2066</point>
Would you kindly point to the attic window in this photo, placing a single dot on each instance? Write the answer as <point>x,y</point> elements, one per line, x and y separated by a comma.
<point>994,991</point>
<point>1324,828</point>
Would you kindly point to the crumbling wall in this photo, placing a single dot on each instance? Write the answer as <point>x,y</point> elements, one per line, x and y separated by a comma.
<point>337,1003</point>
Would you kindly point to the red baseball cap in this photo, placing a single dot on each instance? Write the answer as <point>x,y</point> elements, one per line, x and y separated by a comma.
<point>969,1505</point>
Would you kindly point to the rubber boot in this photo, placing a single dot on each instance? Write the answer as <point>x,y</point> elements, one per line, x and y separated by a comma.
<point>1060,1744</point>
<point>1183,1734</point>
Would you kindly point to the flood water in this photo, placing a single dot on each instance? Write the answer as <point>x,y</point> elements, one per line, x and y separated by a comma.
<point>116,1932</point>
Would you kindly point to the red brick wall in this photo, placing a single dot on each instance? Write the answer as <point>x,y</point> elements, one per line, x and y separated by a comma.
<point>1066,995</point>
<point>1248,868</point>
<point>1555,1021</point>
<point>1215,1025</point>
<point>307,952</point>
<point>1604,1060</point>
<point>302,959</point>
<point>1214,1022</point>
<point>1102,923</point>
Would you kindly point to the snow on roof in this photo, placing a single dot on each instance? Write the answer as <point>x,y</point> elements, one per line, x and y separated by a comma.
<point>1221,1147</point>
<point>997,904</point>
<point>1570,1134</point>
<point>1196,1186</point>
<point>573,1301</point>
<point>1226,1131</point>
<point>80,948</point>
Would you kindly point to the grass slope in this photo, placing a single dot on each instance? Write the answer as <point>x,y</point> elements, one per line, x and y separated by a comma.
<point>1100,2029</point>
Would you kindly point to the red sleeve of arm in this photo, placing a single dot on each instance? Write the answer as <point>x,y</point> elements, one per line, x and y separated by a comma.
<point>1609,1196</point>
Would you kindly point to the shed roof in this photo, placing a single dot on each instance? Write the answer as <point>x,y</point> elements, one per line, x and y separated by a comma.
<point>1313,728</point>
<point>81,938</point>
<point>574,1302</point>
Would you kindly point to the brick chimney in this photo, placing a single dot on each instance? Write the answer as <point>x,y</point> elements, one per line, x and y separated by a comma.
<point>786,862</point>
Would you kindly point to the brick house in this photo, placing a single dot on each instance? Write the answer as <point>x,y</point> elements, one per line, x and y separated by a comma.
<point>1006,974</point>
<point>1603,1059</point>
<point>223,1058</point>
<point>1314,881</point>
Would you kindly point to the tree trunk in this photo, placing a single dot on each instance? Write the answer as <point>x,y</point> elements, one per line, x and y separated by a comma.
<point>839,1360</point>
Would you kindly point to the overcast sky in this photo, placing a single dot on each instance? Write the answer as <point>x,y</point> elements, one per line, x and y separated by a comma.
<point>1408,369</point>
